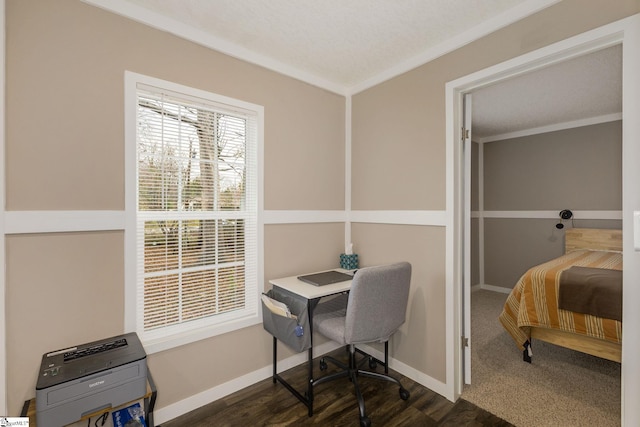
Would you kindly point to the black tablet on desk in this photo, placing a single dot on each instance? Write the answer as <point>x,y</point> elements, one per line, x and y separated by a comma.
<point>325,278</point>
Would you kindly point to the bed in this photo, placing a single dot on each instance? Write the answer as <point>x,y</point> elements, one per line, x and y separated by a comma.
<point>532,310</point>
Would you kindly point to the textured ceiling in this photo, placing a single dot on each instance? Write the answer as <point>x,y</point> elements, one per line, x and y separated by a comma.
<point>344,42</point>
<point>585,87</point>
<point>348,45</point>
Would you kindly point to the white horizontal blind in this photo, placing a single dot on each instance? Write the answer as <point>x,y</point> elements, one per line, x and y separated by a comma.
<point>196,213</point>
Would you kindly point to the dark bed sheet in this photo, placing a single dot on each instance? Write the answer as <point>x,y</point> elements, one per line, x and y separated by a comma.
<point>595,291</point>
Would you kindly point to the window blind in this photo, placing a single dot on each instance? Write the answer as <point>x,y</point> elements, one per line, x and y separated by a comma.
<point>196,212</point>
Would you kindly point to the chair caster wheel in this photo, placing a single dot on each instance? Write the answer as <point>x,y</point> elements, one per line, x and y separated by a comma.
<point>365,422</point>
<point>404,394</point>
<point>372,363</point>
<point>323,365</point>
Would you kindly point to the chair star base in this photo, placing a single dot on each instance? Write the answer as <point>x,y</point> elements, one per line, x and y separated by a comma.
<point>353,371</point>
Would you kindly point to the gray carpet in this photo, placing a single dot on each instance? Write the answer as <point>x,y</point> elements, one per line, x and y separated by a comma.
<point>560,388</point>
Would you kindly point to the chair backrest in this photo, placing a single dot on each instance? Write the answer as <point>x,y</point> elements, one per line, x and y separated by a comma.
<point>377,304</point>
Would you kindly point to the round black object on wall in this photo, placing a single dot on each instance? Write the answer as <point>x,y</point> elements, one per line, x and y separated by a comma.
<point>566,214</point>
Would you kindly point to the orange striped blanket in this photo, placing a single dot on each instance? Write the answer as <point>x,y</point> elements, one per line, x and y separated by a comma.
<point>534,300</point>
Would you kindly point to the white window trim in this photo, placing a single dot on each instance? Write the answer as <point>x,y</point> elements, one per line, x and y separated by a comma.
<point>130,268</point>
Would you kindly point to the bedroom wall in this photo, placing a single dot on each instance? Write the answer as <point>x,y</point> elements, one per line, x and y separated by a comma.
<point>399,138</point>
<point>65,151</point>
<point>65,66</point>
<point>578,169</point>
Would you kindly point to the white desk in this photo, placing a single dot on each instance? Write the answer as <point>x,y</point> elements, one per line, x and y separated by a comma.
<point>312,294</point>
<point>309,291</point>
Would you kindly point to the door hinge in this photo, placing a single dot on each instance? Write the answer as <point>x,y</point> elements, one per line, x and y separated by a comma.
<point>465,342</point>
<point>465,134</point>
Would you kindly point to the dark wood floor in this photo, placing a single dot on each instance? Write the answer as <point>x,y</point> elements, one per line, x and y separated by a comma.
<point>269,404</point>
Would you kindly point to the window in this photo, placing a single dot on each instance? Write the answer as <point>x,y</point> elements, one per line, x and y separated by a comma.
<point>192,230</point>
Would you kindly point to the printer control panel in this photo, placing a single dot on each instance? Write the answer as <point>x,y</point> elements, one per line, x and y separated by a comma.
<point>75,362</point>
<point>77,353</point>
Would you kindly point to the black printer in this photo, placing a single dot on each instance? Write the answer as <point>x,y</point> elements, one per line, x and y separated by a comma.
<point>88,378</point>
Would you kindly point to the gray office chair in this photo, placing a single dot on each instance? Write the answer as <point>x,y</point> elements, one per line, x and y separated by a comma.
<point>374,309</point>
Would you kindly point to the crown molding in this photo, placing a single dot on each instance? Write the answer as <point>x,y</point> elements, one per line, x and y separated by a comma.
<point>552,128</point>
<point>172,26</point>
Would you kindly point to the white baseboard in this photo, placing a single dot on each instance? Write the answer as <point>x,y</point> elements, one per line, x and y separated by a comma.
<point>175,410</point>
<point>409,372</point>
<point>493,288</point>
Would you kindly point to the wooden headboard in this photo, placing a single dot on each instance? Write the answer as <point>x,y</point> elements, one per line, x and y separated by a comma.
<point>592,238</point>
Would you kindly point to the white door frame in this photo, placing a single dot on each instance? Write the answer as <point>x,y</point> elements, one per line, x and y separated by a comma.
<point>465,184</point>
<point>627,33</point>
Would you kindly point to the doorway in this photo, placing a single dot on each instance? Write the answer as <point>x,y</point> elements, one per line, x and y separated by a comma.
<point>573,163</point>
<point>623,32</point>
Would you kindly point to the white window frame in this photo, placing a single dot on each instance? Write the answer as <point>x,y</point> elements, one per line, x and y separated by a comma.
<point>177,335</point>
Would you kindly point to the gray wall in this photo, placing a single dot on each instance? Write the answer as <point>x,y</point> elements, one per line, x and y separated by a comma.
<point>577,169</point>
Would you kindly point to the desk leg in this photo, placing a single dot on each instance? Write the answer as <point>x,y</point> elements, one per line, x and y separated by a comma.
<point>275,358</point>
<point>307,399</point>
<point>311,305</point>
<point>310,382</point>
